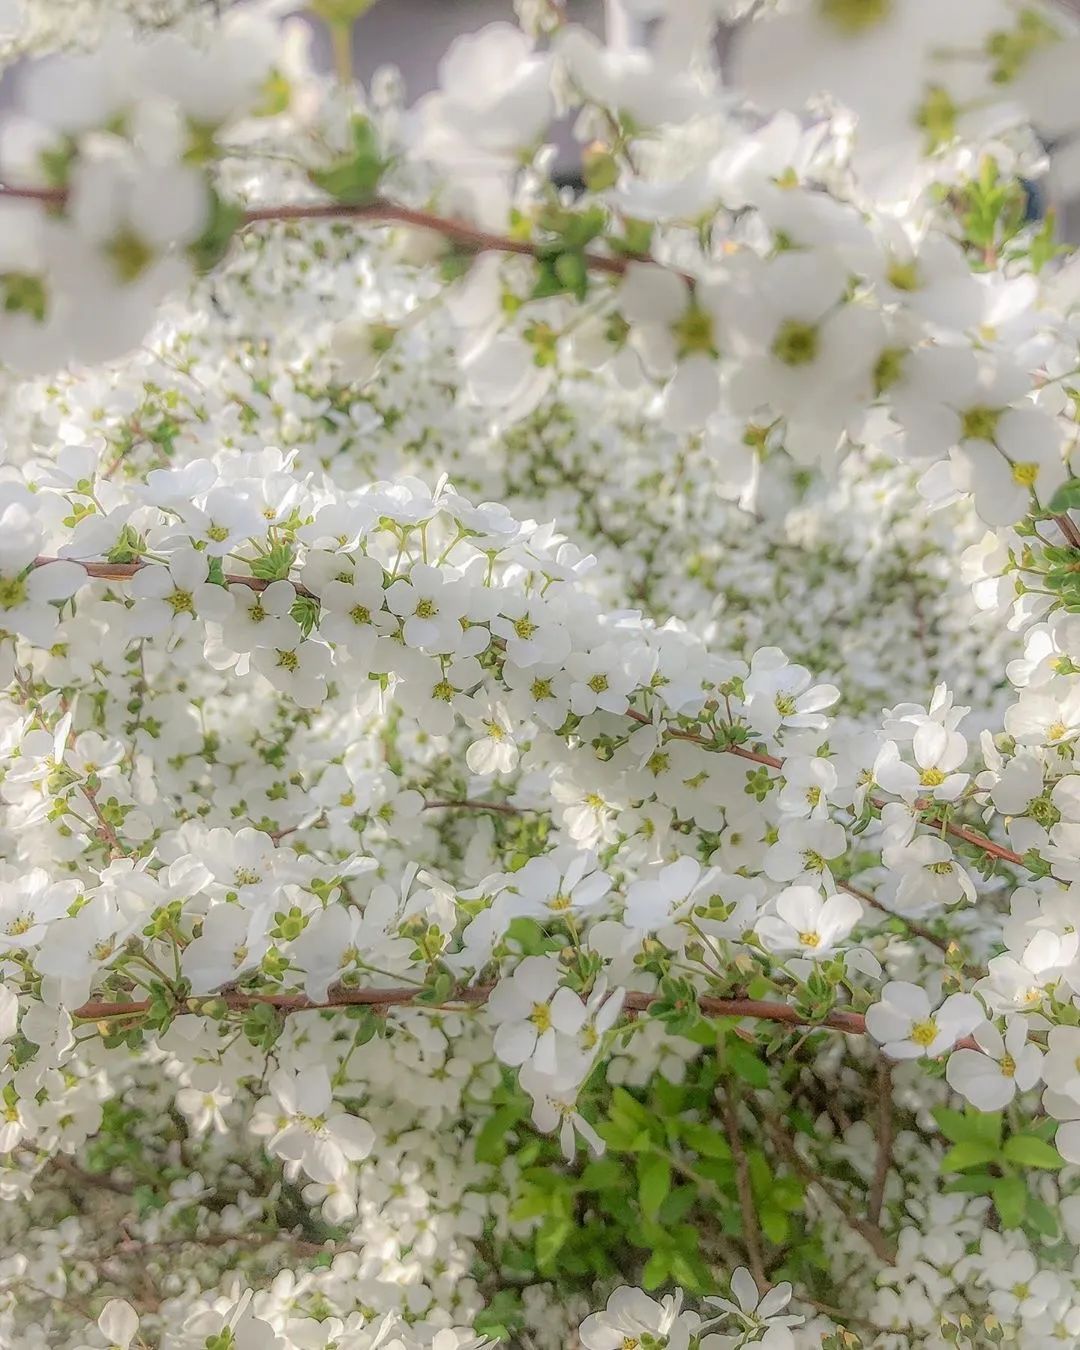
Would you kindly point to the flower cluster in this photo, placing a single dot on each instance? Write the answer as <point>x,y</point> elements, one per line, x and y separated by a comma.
<point>537,727</point>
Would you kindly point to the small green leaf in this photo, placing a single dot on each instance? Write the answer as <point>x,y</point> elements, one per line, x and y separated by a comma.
<point>551,1237</point>
<point>775,1225</point>
<point>223,220</point>
<point>354,178</point>
<point>704,1140</point>
<point>1028,1151</point>
<point>962,1156</point>
<point>1010,1200</point>
<point>490,1144</point>
<point>654,1182</point>
<point>747,1065</point>
<point>1065,498</point>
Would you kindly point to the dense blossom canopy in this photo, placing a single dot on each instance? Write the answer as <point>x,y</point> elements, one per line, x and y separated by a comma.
<point>537,724</point>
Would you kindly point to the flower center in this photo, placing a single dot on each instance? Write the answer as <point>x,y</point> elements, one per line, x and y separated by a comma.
<point>979,424</point>
<point>1025,473</point>
<point>810,939</point>
<point>181,602</point>
<point>924,1033</point>
<point>540,1017</point>
<point>1008,1066</point>
<point>903,276</point>
<point>524,628</point>
<point>854,17</point>
<point>288,660</point>
<point>426,609</point>
<point>796,344</point>
<point>12,592</point>
<point>361,615</point>
<point>931,778</point>
<point>599,684</point>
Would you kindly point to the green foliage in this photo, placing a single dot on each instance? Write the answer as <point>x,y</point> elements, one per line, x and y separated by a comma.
<point>996,1166</point>
<point>354,178</point>
<point>223,220</point>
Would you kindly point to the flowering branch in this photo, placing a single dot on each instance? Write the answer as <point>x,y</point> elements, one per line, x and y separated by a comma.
<point>634,1001</point>
<point>379,212</point>
<point>751,1231</point>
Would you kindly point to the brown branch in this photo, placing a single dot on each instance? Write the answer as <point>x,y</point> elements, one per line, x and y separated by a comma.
<point>840,1020</point>
<point>883,1162</point>
<point>124,571</point>
<point>852,1023</point>
<point>107,571</point>
<point>978,841</point>
<point>869,1232</point>
<point>379,212</point>
<point>1069,530</point>
<point>106,833</point>
<point>84,1178</point>
<point>751,1231</point>
<point>915,929</point>
<point>466,805</point>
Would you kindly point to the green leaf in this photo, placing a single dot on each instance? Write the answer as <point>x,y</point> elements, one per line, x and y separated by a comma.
<point>550,1239</point>
<point>656,1269</point>
<point>627,1106</point>
<point>223,220</point>
<point>1065,498</point>
<point>654,1182</point>
<point>969,1127</point>
<point>1029,1151</point>
<point>1010,1200</point>
<point>354,178</point>
<point>962,1156</point>
<point>775,1225</point>
<point>747,1065</point>
<point>491,1141</point>
<point>677,1205</point>
<point>705,1141</point>
<point>275,564</point>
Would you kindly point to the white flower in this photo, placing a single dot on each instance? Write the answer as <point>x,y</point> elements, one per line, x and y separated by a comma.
<point>907,1025</point>
<point>780,694</point>
<point>432,607</point>
<point>172,596</point>
<point>755,1311</point>
<point>806,924</point>
<point>533,1017</point>
<point>632,1318</point>
<point>118,1323</point>
<point>496,751</point>
<point>300,1125</point>
<point>1002,1066</point>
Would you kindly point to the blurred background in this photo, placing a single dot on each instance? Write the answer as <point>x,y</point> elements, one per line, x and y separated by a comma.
<point>413,35</point>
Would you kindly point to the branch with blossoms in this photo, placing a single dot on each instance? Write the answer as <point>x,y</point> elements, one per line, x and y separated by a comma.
<point>639,950</point>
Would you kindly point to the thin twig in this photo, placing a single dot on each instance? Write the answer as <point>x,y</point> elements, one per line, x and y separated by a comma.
<point>978,841</point>
<point>124,571</point>
<point>885,1128</point>
<point>476,805</point>
<point>751,1231</point>
<point>869,1232</point>
<point>915,929</point>
<point>379,212</point>
<point>851,1022</point>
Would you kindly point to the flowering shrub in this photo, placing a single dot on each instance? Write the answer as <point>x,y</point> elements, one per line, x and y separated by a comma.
<point>538,798</point>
